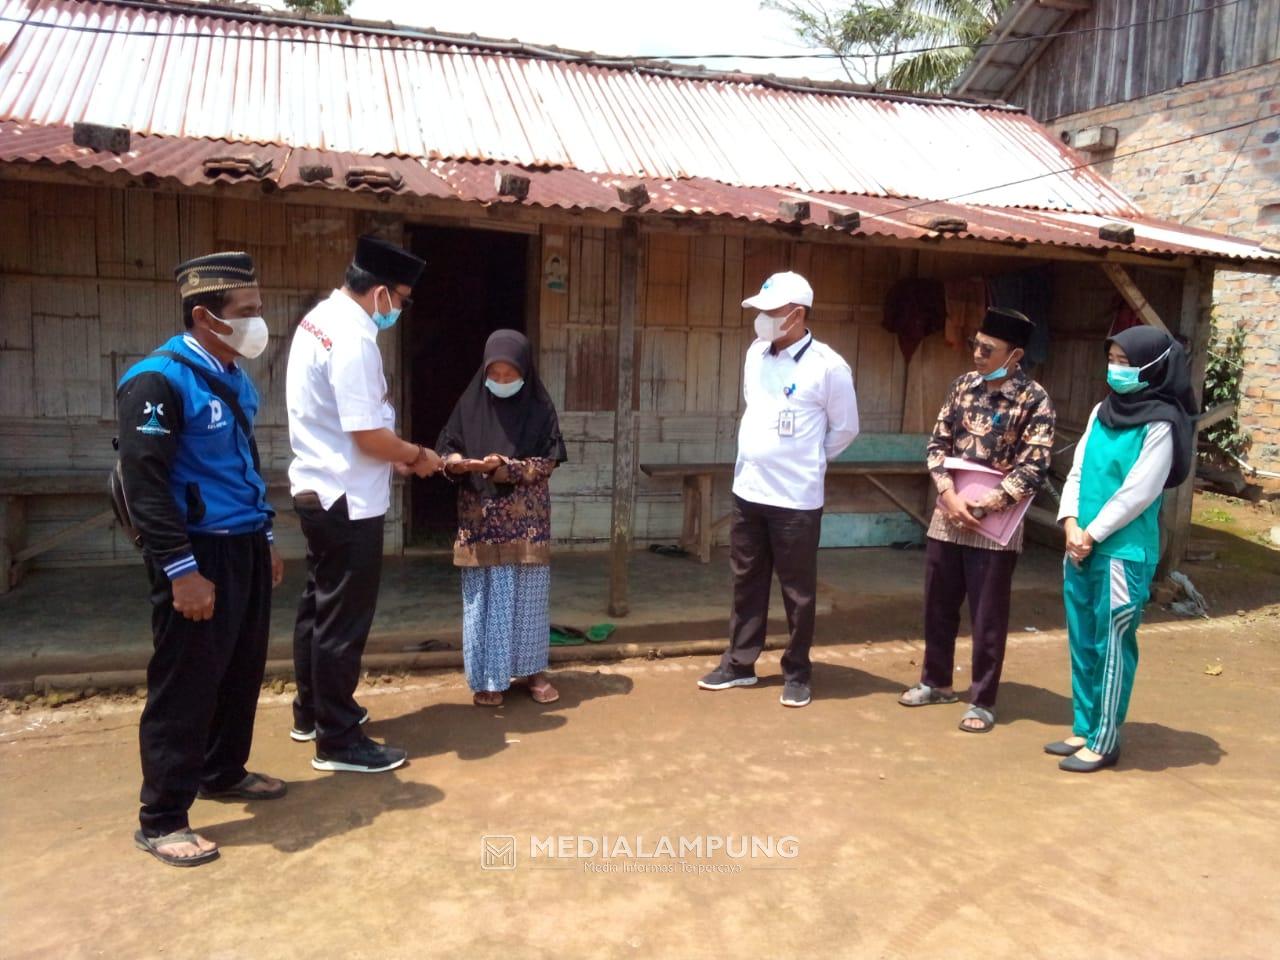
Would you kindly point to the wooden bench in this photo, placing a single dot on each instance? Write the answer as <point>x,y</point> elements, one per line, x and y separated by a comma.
<point>871,456</point>
<point>17,488</point>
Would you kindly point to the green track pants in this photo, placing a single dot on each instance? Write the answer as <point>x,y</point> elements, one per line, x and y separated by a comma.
<point>1104,597</point>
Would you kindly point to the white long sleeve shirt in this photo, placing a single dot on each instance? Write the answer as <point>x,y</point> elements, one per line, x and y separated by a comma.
<point>1143,484</point>
<point>801,414</point>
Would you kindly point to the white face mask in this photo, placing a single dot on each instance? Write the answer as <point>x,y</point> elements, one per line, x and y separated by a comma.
<point>248,336</point>
<point>770,328</point>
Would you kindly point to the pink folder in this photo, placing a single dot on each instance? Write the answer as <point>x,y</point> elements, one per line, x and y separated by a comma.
<point>973,482</point>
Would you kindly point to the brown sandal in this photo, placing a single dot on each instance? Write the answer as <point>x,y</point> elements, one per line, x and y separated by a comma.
<point>541,690</point>
<point>487,698</point>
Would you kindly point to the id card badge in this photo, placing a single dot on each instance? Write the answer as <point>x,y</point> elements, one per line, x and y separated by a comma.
<point>787,423</point>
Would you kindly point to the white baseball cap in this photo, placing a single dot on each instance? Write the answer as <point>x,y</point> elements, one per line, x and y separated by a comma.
<point>780,290</point>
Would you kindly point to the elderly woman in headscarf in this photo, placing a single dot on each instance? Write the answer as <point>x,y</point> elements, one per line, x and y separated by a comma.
<point>1139,442</point>
<point>501,444</point>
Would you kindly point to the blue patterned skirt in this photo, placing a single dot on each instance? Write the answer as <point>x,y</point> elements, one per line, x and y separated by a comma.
<point>506,623</point>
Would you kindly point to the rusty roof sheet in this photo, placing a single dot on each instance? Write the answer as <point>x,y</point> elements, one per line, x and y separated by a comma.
<point>186,161</point>
<point>188,72</point>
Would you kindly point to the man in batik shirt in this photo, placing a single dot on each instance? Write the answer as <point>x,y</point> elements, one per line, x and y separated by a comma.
<point>999,417</point>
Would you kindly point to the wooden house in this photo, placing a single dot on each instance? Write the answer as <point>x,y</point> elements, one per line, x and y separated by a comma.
<point>616,211</point>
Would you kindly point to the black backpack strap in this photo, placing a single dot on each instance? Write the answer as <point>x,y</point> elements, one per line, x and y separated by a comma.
<point>223,393</point>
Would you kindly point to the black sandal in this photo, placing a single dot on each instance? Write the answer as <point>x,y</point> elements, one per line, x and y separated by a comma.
<point>241,790</point>
<point>153,844</point>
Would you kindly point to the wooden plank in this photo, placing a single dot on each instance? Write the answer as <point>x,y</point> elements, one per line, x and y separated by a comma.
<point>103,519</point>
<point>706,281</point>
<point>666,281</point>
<point>67,351</point>
<point>624,439</point>
<point>897,501</point>
<point>591,375</point>
<point>13,531</point>
<point>702,371</point>
<point>1195,322</point>
<point>1133,296</point>
<point>1219,413</point>
<point>15,240</point>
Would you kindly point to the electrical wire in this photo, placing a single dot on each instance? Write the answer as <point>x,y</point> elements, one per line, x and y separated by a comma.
<point>429,36</point>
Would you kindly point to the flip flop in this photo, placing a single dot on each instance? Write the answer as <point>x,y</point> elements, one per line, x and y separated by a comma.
<point>923,695</point>
<point>242,791</point>
<point>986,717</point>
<point>153,844</point>
<point>475,698</point>
<point>543,692</point>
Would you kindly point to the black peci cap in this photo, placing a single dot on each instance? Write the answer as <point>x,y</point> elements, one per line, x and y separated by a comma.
<point>387,262</point>
<point>214,272</point>
<point>1008,325</point>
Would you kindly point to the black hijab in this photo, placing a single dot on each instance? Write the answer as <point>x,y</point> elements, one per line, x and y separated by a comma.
<point>521,426</point>
<point>1167,396</point>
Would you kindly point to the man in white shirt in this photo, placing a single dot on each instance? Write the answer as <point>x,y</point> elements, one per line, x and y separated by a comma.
<point>801,414</point>
<point>342,430</point>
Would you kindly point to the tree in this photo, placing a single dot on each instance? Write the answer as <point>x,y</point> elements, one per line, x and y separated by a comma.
<point>331,7</point>
<point>873,38</point>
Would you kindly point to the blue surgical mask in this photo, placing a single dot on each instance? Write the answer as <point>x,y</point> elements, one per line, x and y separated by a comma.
<point>503,391</point>
<point>996,374</point>
<point>385,320</point>
<point>1124,379</point>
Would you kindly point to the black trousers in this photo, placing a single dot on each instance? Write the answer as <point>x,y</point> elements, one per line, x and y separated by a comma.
<point>764,540</point>
<point>203,680</point>
<point>344,568</point>
<point>952,572</point>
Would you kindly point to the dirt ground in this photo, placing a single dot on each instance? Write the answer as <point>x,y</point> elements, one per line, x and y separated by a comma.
<point>907,837</point>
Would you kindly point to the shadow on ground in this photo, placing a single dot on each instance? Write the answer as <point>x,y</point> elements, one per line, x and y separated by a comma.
<point>318,810</point>
<point>475,733</point>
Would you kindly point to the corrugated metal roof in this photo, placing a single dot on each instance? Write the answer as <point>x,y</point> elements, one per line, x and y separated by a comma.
<point>184,161</point>
<point>1019,35</point>
<point>204,74</point>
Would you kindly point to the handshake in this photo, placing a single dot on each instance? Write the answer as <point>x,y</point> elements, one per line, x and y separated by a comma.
<point>427,463</point>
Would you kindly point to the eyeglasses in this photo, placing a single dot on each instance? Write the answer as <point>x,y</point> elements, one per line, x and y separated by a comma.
<point>984,350</point>
<point>406,302</point>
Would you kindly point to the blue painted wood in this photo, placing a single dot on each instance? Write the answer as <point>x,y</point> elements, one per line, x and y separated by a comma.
<point>869,530</point>
<point>889,447</point>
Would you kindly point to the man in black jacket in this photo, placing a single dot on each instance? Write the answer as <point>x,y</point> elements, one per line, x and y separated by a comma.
<point>198,498</point>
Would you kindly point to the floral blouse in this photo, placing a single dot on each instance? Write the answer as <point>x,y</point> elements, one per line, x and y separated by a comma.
<point>511,528</point>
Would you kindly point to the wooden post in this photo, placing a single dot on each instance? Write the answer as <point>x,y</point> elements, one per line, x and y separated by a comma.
<point>1134,297</point>
<point>624,423</point>
<point>1195,323</point>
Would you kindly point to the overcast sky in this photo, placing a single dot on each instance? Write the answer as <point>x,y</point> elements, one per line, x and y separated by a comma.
<point>654,28</point>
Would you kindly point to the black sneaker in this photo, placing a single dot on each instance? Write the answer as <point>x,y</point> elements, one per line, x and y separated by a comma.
<point>306,735</point>
<point>795,694</point>
<point>722,678</point>
<point>365,756</point>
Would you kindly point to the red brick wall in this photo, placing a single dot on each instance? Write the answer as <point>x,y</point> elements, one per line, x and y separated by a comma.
<point>1179,182</point>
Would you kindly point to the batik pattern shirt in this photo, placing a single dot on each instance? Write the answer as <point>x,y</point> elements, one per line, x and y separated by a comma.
<point>1009,429</point>
<point>512,527</point>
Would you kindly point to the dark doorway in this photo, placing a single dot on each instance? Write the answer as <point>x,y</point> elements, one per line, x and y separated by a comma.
<point>474,283</point>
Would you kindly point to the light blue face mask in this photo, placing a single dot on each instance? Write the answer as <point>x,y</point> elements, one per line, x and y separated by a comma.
<point>1124,379</point>
<point>997,374</point>
<point>384,321</point>
<point>503,391</point>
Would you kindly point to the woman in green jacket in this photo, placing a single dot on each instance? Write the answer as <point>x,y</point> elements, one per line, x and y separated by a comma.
<point>1139,442</point>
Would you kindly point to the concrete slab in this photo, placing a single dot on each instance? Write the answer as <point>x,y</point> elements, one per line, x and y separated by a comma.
<point>98,619</point>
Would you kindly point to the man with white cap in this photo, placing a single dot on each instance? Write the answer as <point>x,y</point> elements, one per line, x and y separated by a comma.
<point>801,413</point>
